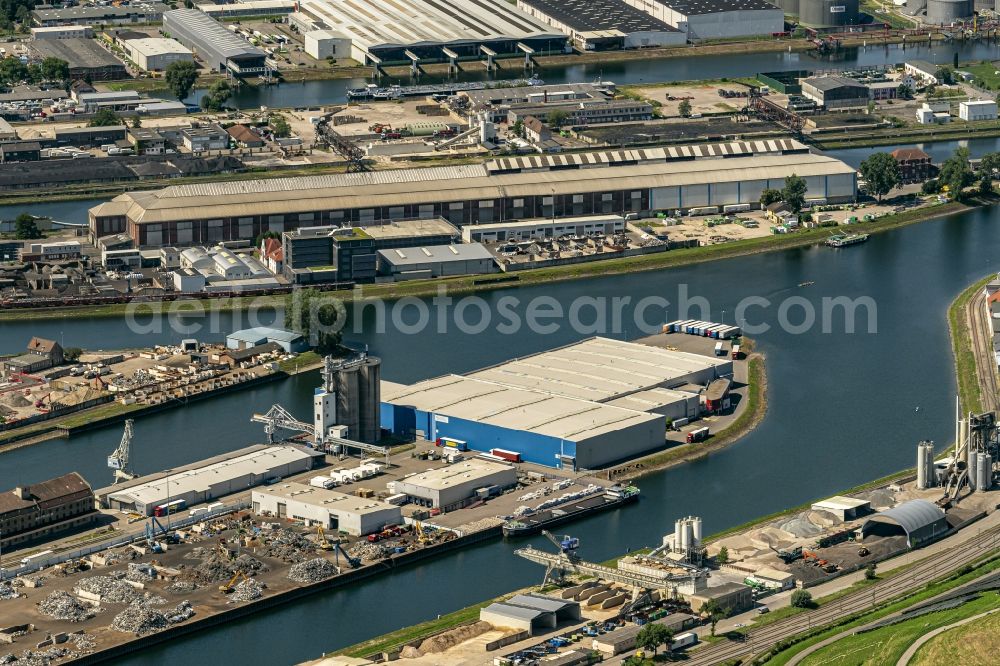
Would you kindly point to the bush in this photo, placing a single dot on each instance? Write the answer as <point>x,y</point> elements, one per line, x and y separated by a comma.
<point>931,186</point>
<point>802,599</point>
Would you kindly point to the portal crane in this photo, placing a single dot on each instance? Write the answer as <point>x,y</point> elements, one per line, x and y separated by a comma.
<point>119,460</point>
<point>567,558</point>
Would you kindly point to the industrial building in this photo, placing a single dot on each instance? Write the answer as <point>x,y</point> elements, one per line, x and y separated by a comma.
<point>63,32</point>
<point>845,508</point>
<point>531,612</point>
<point>219,269</point>
<point>836,93</point>
<point>914,164</point>
<point>290,341</point>
<point>31,512</point>
<point>220,49</point>
<point>922,71</point>
<point>573,407</point>
<point>323,44</point>
<point>247,8</point>
<point>452,486</point>
<point>383,32</point>
<point>349,254</point>
<point>714,19</point>
<point>154,54</point>
<point>86,58</point>
<point>919,520</point>
<point>41,354</point>
<point>586,112</point>
<point>350,399</point>
<point>209,479</point>
<point>134,12</point>
<point>496,101</point>
<point>435,261</point>
<point>335,511</point>
<point>523,230</point>
<point>611,182</point>
<point>601,25</point>
<point>982,109</point>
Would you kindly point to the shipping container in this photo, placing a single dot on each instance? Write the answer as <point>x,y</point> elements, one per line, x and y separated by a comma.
<point>699,435</point>
<point>215,505</point>
<point>736,353</point>
<point>681,422</point>
<point>321,482</point>
<point>197,512</point>
<point>399,499</point>
<point>720,349</point>
<point>453,443</point>
<point>682,641</point>
<point>509,456</point>
<point>37,557</point>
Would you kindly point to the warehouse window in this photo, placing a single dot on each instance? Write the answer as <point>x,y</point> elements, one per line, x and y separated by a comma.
<point>307,217</point>
<point>246,227</point>
<point>425,211</point>
<point>396,212</point>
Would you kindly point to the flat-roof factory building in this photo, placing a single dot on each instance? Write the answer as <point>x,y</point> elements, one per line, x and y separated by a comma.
<point>451,486</point>
<point>714,19</point>
<point>419,263</point>
<point>135,12</point>
<point>600,25</point>
<point>209,479</point>
<point>155,54</point>
<point>571,407</point>
<point>385,32</point>
<point>609,182</point>
<point>86,58</point>
<point>335,511</point>
<point>220,49</point>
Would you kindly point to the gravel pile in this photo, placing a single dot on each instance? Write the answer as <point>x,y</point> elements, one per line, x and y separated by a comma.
<point>140,573</point>
<point>8,591</point>
<point>247,590</point>
<point>61,605</point>
<point>141,619</point>
<point>367,551</point>
<point>111,590</point>
<point>15,399</point>
<point>288,546</point>
<point>312,571</point>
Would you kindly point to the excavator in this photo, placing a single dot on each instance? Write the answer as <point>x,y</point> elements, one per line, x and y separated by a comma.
<point>321,539</point>
<point>422,537</point>
<point>227,588</point>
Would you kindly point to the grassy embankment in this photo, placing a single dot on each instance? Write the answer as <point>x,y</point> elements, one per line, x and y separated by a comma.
<point>974,644</point>
<point>784,652</point>
<point>470,284</point>
<point>969,391</point>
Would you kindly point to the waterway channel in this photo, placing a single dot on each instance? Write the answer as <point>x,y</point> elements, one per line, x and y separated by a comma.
<point>684,68</point>
<point>844,408</point>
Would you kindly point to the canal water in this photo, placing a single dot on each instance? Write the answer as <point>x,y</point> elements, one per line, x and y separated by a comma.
<point>686,68</point>
<point>843,408</point>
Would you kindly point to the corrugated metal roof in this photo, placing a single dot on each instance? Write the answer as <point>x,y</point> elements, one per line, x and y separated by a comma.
<point>912,515</point>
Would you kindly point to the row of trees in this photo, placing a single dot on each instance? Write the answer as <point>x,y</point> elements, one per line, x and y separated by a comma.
<point>13,71</point>
<point>882,174</point>
<point>793,194</point>
<point>181,77</point>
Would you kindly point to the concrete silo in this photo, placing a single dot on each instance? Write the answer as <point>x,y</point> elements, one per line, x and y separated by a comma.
<point>788,6</point>
<point>828,13</point>
<point>369,395</point>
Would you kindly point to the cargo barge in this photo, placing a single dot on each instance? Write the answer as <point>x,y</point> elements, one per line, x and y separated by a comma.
<point>375,92</point>
<point>841,240</point>
<point>612,498</point>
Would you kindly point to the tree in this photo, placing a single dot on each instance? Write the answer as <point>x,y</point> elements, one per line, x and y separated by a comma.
<point>137,122</point>
<point>55,69</point>
<point>794,193</point>
<point>723,555</point>
<point>316,317</point>
<point>955,172</point>
<point>802,599</point>
<point>870,572</point>
<point>684,108</point>
<point>181,77</point>
<point>12,70</point>
<point>71,354</point>
<point>988,166</point>
<point>904,91</point>
<point>518,128</point>
<point>713,611</point>
<point>556,118</point>
<point>931,186</point>
<point>25,227</point>
<point>881,174</point>
<point>768,197</point>
<point>945,75</point>
<point>104,118</point>
<point>653,635</point>
<point>280,126</point>
<point>215,99</point>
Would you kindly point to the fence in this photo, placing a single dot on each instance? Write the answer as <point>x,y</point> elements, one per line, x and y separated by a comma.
<point>59,558</point>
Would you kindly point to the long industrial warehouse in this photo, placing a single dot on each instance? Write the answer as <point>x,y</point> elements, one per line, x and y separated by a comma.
<point>568,407</point>
<point>386,32</point>
<point>512,189</point>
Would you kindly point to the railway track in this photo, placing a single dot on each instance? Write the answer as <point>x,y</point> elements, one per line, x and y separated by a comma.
<point>982,348</point>
<point>930,568</point>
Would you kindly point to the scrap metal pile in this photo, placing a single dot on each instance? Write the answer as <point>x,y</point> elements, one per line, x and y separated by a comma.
<point>61,605</point>
<point>110,589</point>
<point>140,619</point>
<point>217,569</point>
<point>140,573</point>
<point>247,590</point>
<point>365,550</point>
<point>287,546</point>
<point>8,591</point>
<point>312,571</point>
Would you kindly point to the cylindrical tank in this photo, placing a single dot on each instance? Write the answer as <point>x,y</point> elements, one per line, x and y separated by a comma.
<point>984,472</point>
<point>346,386</point>
<point>921,467</point>
<point>828,13</point>
<point>914,7</point>
<point>696,522</point>
<point>946,12</point>
<point>369,393</point>
<point>788,6</point>
<point>678,538</point>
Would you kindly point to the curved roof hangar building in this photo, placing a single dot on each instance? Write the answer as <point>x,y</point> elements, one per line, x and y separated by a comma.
<point>921,521</point>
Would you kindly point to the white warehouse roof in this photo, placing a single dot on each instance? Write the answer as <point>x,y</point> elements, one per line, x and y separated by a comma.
<point>602,369</point>
<point>327,499</point>
<point>154,46</point>
<point>199,480</point>
<point>456,474</point>
<point>513,407</point>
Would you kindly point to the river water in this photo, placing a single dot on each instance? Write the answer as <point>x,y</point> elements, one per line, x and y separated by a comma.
<point>843,410</point>
<point>684,68</point>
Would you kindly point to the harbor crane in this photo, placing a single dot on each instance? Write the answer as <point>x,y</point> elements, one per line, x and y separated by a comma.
<point>119,460</point>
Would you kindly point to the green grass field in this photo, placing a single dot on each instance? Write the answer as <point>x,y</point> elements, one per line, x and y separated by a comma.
<point>973,644</point>
<point>965,360</point>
